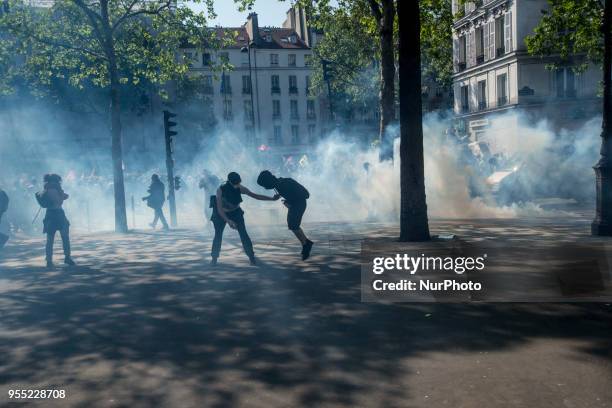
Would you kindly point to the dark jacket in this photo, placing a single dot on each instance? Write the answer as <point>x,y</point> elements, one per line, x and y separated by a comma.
<point>157,195</point>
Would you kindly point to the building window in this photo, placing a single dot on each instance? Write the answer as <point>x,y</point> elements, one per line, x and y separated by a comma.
<point>295,134</point>
<point>310,109</point>
<point>226,84</point>
<point>246,84</point>
<point>566,83</point>
<point>307,60</point>
<point>465,98</point>
<point>206,60</point>
<point>277,137</point>
<point>293,88</point>
<point>292,60</point>
<point>188,58</point>
<point>479,45</point>
<point>274,59</point>
<point>308,84</point>
<point>248,111</point>
<point>227,109</point>
<point>276,109</point>
<point>244,59</point>
<point>312,135</point>
<point>207,85</point>
<point>462,53</point>
<point>294,109</point>
<point>499,37</point>
<point>275,84</point>
<point>502,93</point>
<point>482,95</point>
<point>223,57</point>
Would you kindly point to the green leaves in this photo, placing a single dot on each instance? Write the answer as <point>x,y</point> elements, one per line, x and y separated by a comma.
<point>571,29</point>
<point>76,41</point>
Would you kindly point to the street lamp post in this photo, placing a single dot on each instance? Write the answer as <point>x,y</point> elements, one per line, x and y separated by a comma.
<point>247,50</point>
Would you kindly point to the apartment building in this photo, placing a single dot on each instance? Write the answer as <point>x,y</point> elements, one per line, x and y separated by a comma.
<point>493,73</point>
<point>265,95</point>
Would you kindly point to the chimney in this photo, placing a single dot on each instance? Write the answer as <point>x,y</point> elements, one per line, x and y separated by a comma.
<point>252,28</point>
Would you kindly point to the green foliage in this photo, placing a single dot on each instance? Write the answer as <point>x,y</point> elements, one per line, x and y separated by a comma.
<point>571,29</point>
<point>437,41</point>
<point>74,41</point>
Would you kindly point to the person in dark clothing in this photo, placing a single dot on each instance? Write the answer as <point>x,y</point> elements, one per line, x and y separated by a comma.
<point>4,202</point>
<point>155,200</point>
<point>228,211</point>
<point>294,198</point>
<point>55,219</point>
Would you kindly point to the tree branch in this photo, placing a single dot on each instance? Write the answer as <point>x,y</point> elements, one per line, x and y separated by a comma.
<point>130,14</point>
<point>375,8</point>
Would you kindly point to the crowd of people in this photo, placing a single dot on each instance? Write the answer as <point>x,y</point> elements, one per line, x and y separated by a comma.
<point>221,207</point>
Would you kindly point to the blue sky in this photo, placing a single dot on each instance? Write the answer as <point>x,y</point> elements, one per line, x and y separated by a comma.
<point>270,13</point>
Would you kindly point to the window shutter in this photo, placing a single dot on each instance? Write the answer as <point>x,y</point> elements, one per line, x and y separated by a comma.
<point>508,31</point>
<point>492,50</point>
<point>456,54</point>
<point>470,58</point>
<point>485,40</point>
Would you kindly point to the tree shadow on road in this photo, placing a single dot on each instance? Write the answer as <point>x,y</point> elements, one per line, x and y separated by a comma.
<point>148,322</point>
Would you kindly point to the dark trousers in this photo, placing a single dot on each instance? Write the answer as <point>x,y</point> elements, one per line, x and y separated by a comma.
<point>65,243</point>
<point>159,215</point>
<point>219,223</point>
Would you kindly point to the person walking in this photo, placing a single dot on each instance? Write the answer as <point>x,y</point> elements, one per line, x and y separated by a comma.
<point>228,211</point>
<point>155,200</point>
<point>52,198</point>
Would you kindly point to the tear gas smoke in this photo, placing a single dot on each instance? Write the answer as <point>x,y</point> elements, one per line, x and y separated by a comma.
<point>525,164</point>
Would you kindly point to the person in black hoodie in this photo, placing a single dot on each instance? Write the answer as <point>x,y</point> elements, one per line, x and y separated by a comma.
<point>156,199</point>
<point>55,219</point>
<point>228,211</point>
<point>294,198</point>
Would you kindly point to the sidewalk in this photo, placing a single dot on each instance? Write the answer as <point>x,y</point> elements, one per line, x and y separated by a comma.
<point>145,321</point>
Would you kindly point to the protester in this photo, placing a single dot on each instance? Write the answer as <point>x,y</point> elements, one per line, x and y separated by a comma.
<point>155,200</point>
<point>4,202</point>
<point>52,198</point>
<point>295,196</point>
<point>228,211</point>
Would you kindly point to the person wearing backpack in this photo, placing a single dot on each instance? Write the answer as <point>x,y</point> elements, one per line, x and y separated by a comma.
<point>156,199</point>
<point>52,198</point>
<point>294,198</point>
<point>4,202</point>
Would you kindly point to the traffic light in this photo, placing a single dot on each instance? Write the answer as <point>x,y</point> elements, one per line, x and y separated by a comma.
<point>168,125</point>
<point>174,183</point>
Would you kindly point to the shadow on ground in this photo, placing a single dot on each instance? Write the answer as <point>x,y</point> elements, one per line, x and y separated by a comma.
<point>144,321</point>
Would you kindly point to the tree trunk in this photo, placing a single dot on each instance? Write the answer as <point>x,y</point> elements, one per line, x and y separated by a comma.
<point>387,78</point>
<point>117,150</point>
<point>602,225</point>
<point>413,214</point>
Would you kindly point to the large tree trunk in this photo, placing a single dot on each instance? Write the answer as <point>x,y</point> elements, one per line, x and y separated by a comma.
<point>385,16</point>
<point>117,150</point>
<point>106,38</point>
<point>116,146</point>
<point>413,214</point>
<point>602,225</point>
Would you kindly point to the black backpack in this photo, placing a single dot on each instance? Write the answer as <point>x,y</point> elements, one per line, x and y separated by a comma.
<point>43,200</point>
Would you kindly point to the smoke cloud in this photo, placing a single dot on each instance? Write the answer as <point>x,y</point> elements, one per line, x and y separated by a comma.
<point>516,169</point>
